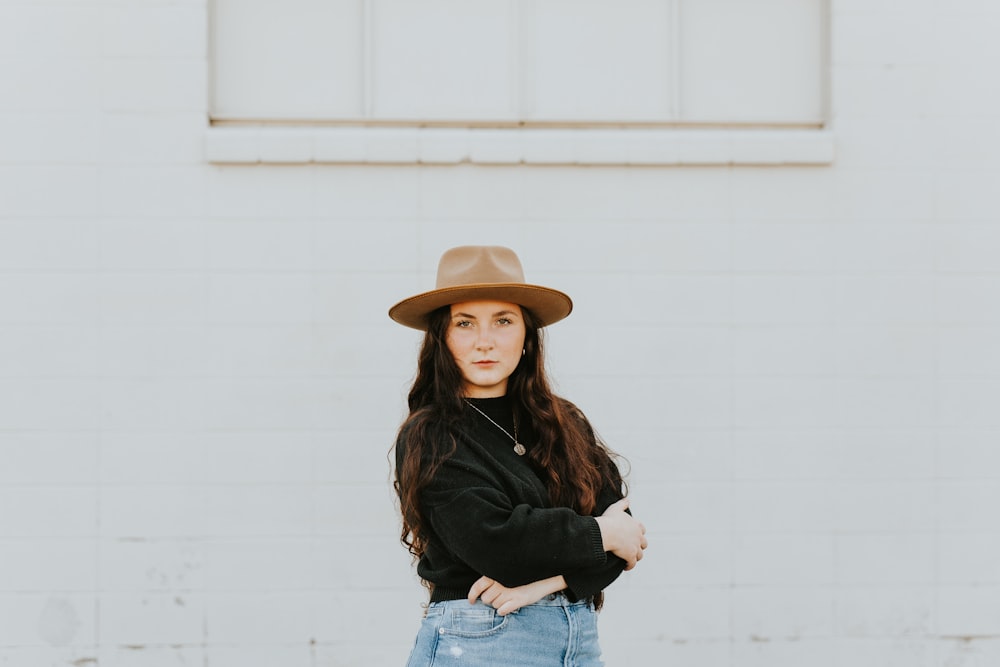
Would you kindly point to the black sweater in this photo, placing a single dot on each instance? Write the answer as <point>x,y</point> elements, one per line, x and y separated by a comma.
<point>489,514</point>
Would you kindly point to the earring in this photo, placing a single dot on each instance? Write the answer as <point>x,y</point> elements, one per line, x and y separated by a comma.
<point>523,351</point>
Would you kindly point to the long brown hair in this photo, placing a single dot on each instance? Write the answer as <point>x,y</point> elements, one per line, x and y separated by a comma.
<point>575,462</point>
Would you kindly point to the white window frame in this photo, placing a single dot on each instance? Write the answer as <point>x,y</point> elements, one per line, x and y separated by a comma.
<point>361,141</point>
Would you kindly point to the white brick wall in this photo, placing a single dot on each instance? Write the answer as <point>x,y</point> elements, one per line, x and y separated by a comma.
<point>199,385</point>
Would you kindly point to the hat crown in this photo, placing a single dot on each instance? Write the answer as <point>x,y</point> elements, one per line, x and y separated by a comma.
<point>476,265</point>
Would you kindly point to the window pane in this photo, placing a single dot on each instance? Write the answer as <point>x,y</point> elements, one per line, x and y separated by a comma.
<point>443,59</point>
<point>597,60</point>
<point>463,61</point>
<point>294,59</point>
<point>751,61</point>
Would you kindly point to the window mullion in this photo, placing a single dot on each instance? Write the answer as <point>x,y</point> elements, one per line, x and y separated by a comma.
<point>367,59</point>
<point>525,73</point>
<point>675,61</point>
<point>514,69</point>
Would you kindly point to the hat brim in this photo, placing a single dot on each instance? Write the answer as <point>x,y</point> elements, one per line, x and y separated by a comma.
<point>546,304</point>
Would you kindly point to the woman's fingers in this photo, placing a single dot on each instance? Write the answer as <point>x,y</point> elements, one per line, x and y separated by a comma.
<point>623,534</point>
<point>478,588</point>
<point>640,542</point>
<point>507,607</point>
<point>490,595</point>
<point>618,506</point>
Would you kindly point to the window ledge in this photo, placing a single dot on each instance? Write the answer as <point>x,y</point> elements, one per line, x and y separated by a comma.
<point>563,146</point>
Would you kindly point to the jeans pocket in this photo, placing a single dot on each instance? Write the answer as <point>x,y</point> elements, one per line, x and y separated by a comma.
<point>475,622</point>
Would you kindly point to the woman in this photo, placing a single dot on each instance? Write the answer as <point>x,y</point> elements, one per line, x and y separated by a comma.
<point>511,505</point>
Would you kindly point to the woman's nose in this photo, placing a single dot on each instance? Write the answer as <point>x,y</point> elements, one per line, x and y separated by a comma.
<point>484,340</point>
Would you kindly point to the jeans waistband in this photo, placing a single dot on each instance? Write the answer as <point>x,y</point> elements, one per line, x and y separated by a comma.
<point>553,600</point>
<point>559,600</point>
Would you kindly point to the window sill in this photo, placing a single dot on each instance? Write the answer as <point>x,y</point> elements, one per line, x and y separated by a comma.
<point>564,146</point>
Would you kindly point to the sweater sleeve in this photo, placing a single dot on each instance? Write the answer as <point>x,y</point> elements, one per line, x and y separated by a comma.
<point>514,544</point>
<point>584,582</point>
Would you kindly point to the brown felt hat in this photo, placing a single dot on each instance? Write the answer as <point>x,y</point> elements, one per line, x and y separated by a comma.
<point>470,273</point>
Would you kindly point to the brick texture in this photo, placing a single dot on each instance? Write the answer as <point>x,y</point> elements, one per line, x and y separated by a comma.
<point>200,385</point>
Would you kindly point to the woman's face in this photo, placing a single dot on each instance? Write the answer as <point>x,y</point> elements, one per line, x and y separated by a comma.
<point>486,338</point>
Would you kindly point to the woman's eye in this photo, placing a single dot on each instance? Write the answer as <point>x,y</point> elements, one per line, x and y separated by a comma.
<point>463,324</point>
<point>504,321</point>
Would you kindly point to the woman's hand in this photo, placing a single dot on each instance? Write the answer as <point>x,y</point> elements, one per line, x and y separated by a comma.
<point>506,600</point>
<point>623,534</point>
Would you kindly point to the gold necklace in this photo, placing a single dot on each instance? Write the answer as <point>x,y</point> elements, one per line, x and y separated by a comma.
<point>518,447</point>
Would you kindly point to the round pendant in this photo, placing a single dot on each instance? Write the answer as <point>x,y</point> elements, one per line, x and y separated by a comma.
<point>519,449</point>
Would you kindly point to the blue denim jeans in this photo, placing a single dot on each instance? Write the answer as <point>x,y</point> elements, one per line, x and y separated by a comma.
<point>552,632</point>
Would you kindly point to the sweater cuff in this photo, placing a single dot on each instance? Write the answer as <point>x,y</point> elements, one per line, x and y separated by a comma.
<point>597,543</point>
